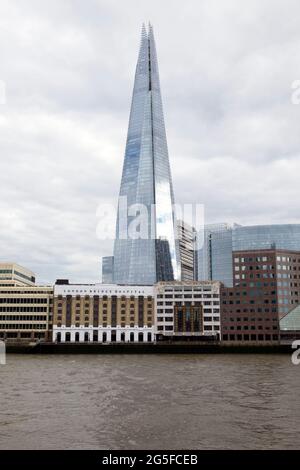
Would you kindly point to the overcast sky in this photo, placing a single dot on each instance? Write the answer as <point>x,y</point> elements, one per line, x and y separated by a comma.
<point>226,69</point>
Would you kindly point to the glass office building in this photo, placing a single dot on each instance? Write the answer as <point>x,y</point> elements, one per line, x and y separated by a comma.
<point>258,237</point>
<point>214,259</point>
<point>146,188</point>
<point>220,241</point>
<point>107,269</point>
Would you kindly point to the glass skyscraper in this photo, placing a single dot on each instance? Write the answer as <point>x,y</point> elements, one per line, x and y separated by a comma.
<point>107,269</point>
<point>146,191</point>
<point>214,259</point>
<point>220,241</point>
<point>283,237</point>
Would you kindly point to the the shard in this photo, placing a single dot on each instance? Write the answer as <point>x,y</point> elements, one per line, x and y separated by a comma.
<point>146,192</point>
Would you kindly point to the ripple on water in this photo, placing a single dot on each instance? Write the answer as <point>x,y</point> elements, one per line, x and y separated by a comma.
<point>141,401</point>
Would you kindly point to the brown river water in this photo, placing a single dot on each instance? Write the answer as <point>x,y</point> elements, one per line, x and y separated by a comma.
<point>149,402</point>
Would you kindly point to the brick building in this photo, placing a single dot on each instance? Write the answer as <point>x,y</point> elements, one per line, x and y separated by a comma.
<point>103,313</point>
<point>266,286</point>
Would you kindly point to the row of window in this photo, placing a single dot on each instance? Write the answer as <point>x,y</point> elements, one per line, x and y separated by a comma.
<point>95,337</point>
<point>104,324</point>
<point>23,300</point>
<point>102,294</point>
<point>24,309</point>
<point>188,289</point>
<point>258,259</point>
<point>205,319</point>
<point>23,317</point>
<point>166,302</point>
<point>205,328</point>
<point>252,337</point>
<point>252,310</point>
<point>251,301</point>
<point>266,276</point>
<point>251,319</point>
<point>252,327</point>
<point>171,310</point>
<point>36,335</point>
<point>180,295</point>
<point>256,276</point>
<point>23,326</point>
<point>263,267</point>
<point>34,291</point>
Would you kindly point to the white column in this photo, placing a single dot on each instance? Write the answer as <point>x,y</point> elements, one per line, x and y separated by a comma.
<point>63,336</point>
<point>118,336</point>
<point>81,336</point>
<point>127,336</point>
<point>73,336</point>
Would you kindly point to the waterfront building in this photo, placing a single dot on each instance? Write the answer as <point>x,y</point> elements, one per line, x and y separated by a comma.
<point>266,287</point>
<point>25,312</point>
<point>146,182</point>
<point>187,310</point>
<point>186,236</point>
<point>12,274</point>
<point>290,326</point>
<point>221,240</point>
<point>107,270</point>
<point>102,313</point>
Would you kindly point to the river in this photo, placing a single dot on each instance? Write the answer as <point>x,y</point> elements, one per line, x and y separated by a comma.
<point>149,402</point>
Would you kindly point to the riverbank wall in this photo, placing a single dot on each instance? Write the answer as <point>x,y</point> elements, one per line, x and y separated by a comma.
<point>143,348</point>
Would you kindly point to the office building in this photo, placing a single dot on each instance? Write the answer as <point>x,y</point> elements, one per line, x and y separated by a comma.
<point>107,270</point>
<point>102,313</point>
<point>266,287</point>
<point>221,240</point>
<point>214,258</point>
<point>151,252</point>
<point>12,274</point>
<point>186,236</point>
<point>25,312</point>
<point>187,310</point>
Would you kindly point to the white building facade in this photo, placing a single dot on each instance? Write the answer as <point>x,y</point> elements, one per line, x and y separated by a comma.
<point>185,309</point>
<point>103,313</point>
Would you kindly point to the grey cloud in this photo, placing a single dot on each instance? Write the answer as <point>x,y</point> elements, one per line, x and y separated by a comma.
<point>226,74</point>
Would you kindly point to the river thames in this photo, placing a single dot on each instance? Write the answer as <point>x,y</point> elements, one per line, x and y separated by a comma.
<point>150,402</point>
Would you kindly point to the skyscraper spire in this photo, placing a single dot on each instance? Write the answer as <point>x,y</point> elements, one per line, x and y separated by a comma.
<point>146,182</point>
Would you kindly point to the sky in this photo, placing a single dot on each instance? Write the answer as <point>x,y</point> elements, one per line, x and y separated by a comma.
<point>227,69</point>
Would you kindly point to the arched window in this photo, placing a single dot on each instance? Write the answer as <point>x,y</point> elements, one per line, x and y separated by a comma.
<point>104,337</point>
<point>149,337</point>
<point>132,337</point>
<point>58,337</point>
<point>122,336</point>
<point>77,337</point>
<point>95,336</point>
<point>86,337</point>
<point>141,337</point>
<point>113,336</point>
<point>68,337</point>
